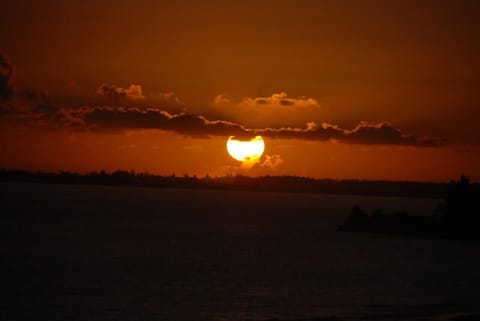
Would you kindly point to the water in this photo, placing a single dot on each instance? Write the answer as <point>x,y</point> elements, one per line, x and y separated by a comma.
<point>121,253</point>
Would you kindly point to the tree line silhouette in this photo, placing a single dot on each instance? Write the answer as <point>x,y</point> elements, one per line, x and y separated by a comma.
<point>297,184</point>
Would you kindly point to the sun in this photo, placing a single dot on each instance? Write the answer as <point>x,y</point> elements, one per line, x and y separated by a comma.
<point>246,150</point>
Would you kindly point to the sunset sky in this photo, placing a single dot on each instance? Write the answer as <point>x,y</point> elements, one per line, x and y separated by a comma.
<point>337,89</point>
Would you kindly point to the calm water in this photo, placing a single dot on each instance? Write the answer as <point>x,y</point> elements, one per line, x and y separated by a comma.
<point>119,253</point>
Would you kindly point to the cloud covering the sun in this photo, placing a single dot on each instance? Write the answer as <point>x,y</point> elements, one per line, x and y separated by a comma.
<point>33,108</point>
<point>382,133</point>
<point>115,119</point>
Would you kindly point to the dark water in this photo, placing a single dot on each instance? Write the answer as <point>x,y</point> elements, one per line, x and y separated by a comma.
<point>119,253</point>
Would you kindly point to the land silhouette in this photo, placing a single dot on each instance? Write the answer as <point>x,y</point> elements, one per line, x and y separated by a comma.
<point>457,217</point>
<point>293,184</point>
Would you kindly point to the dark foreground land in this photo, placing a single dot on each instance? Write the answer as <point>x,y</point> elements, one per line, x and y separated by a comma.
<point>457,217</point>
<point>72,252</point>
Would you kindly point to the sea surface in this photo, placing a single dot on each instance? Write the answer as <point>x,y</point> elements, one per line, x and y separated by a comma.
<point>126,253</point>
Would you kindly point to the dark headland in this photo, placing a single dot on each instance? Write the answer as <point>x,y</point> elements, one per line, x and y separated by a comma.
<point>457,217</point>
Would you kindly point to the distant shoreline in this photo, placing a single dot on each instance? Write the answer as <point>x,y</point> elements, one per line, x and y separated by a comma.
<point>288,184</point>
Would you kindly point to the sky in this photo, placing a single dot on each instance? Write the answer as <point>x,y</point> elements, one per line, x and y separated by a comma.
<point>374,89</point>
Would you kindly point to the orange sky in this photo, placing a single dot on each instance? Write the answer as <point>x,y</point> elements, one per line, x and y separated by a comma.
<point>389,89</point>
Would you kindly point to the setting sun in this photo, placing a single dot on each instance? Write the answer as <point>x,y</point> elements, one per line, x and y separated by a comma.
<point>240,160</point>
<point>246,150</point>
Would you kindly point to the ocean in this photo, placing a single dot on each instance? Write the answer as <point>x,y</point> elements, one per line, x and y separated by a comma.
<point>126,253</point>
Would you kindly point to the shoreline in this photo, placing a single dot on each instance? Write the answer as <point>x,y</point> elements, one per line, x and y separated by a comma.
<point>281,184</point>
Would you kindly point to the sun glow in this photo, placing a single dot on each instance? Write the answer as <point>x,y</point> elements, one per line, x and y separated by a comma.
<point>246,151</point>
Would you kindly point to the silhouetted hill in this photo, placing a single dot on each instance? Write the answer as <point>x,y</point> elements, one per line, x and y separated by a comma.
<point>294,184</point>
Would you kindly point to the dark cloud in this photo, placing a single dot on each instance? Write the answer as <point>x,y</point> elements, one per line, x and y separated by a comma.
<point>6,72</point>
<point>32,95</point>
<point>34,108</point>
<point>133,92</point>
<point>386,133</point>
<point>14,101</point>
<point>261,101</point>
<point>112,119</point>
<point>286,102</point>
<point>4,109</point>
<point>45,108</point>
<point>312,131</point>
<point>109,118</point>
<point>365,133</point>
<point>273,101</point>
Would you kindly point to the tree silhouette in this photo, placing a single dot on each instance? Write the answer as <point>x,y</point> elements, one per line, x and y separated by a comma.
<point>460,208</point>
